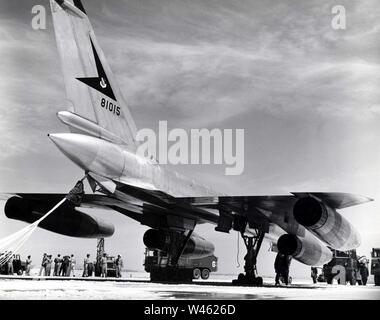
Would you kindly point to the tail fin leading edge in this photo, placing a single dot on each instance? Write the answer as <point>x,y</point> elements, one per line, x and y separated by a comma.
<point>91,88</point>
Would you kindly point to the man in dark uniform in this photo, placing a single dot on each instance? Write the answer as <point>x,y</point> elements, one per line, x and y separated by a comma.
<point>363,270</point>
<point>278,263</point>
<point>119,266</point>
<point>281,267</point>
<point>28,264</point>
<point>57,265</point>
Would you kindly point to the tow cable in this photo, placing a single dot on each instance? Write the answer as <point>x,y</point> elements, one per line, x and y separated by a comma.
<point>11,244</point>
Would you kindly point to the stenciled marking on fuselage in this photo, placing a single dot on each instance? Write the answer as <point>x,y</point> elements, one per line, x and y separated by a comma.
<point>111,107</point>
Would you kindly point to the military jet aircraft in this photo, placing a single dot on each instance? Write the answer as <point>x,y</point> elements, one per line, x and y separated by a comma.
<point>102,142</point>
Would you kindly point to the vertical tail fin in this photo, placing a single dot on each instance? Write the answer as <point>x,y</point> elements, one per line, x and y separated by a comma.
<point>91,88</point>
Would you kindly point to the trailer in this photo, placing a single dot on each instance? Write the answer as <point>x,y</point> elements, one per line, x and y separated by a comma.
<point>375,265</point>
<point>157,263</point>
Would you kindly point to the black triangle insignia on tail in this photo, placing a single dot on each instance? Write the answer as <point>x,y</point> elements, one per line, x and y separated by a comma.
<point>99,83</point>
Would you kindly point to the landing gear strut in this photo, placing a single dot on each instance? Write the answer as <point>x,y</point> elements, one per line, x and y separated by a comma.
<point>253,243</point>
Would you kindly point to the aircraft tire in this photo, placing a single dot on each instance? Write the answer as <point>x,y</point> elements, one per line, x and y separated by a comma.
<point>205,274</point>
<point>196,273</point>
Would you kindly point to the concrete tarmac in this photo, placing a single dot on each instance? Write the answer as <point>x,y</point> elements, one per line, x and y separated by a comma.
<point>139,288</point>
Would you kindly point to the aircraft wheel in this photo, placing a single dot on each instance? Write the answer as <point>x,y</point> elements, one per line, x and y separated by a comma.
<point>196,273</point>
<point>205,274</point>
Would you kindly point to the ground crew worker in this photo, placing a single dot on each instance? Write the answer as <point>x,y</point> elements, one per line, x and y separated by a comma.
<point>278,267</point>
<point>91,268</point>
<point>72,266</point>
<point>10,265</point>
<point>364,272</point>
<point>85,266</point>
<point>48,266</point>
<point>281,266</point>
<point>63,267</point>
<point>285,272</point>
<point>57,265</point>
<point>28,264</point>
<point>103,262</point>
<point>314,274</point>
<point>66,269</point>
<point>43,264</point>
<point>119,266</point>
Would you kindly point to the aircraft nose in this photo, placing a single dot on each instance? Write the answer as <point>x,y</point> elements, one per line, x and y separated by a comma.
<point>91,154</point>
<point>80,149</point>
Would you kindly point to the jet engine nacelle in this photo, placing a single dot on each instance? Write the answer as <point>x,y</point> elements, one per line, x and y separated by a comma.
<point>64,220</point>
<point>326,223</point>
<point>308,251</point>
<point>196,247</point>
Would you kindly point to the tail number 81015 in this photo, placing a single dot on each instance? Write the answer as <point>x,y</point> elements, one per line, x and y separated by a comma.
<point>111,107</point>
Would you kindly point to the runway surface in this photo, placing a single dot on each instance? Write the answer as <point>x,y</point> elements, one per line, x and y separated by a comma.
<point>138,288</point>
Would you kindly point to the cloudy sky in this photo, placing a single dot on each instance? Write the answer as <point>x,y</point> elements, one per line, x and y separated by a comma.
<point>307,96</point>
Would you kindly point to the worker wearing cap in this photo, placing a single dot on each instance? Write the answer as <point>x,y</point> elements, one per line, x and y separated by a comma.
<point>103,262</point>
<point>119,266</point>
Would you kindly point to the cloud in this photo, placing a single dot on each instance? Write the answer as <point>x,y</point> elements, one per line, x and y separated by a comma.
<point>195,73</point>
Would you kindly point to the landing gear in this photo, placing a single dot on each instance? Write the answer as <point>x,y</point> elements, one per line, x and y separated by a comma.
<point>253,243</point>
